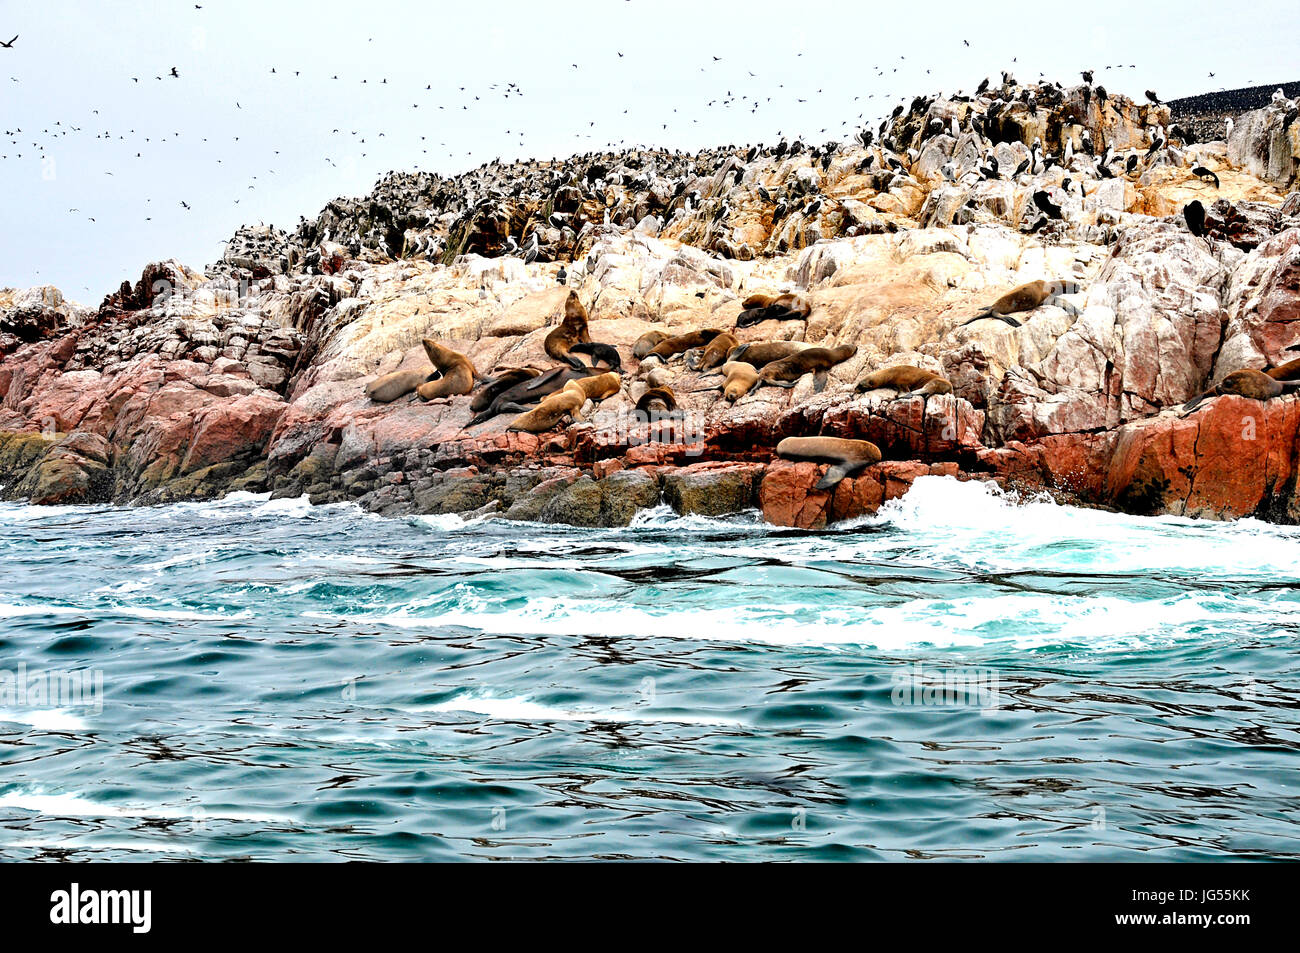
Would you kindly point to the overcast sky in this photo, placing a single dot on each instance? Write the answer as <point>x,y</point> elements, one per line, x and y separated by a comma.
<point>102,135</point>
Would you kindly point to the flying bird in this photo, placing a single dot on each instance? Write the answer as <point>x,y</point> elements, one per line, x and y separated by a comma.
<point>10,44</point>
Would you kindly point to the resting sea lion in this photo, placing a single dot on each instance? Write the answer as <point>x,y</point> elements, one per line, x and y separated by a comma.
<point>905,379</point>
<point>531,391</point>
<point>457,372</point>
<point>502,382</point>
<point>761,307</point>
<point>762,353</point>
<point>846,457</point>
<point>566,403</point>
<point>741,378</point>
<point>1246,383</point>
<point>606,354</point>
<point>659,400</point>
<point>388,387</point>
<point>714,353</point>
<point>1027,297</point>
<point>646,342</point>
<point>598,387</point>
<point>683,342</point>
<point>815,360</point>
<point>572,330</point>
<point>1290,371</point>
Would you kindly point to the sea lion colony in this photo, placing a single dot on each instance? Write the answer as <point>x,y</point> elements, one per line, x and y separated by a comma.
<point>545,398</point>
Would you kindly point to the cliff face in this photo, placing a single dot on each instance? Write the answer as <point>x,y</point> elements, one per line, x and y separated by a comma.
<point>251,376</point>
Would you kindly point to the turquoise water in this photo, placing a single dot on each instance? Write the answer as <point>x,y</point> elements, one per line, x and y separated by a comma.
<point>963,676</point>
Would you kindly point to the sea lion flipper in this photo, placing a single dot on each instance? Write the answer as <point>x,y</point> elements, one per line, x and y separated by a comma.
<point>543,379</point>
<point>1192,404</point>
<point>979,317</point>
<point>834,475</point>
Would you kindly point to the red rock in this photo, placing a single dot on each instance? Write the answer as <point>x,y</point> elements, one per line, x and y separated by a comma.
<point>1233,457</point>
<point>232,429</point>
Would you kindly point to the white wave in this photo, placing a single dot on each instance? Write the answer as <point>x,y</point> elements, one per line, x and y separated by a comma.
<point>1021,620</point>
<point>524,709</point>
<point>44,719</point>
<point>78,805</point>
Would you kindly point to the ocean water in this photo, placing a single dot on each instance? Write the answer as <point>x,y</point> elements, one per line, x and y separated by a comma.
<point>963,676</point>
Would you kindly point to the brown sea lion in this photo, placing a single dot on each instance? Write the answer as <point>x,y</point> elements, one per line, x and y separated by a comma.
<point>566,403</point>
<point>846,457</point>
<point>504,380</point>
<point>572,330</point>
<point>646,342</point>
<point>741,378</point>
<point>659,400</point>
<point>531,391</point>
<point>598,387</point>
<point>457,372</point>
<point>761,307</point>
<point>388,387</point>
<point>1290,371</point>
<point>815,360</point>
<point>1246,383</point>
<point>762,353</point>
<point>683,342</point>
<point>905,379</point>
<point>714,353</point>
<point>1027,297</point>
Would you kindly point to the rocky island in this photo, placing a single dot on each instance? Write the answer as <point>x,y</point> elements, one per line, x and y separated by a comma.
<point>251,375</point>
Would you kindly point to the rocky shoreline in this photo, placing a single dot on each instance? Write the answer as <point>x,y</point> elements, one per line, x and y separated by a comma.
<point>251,374</point>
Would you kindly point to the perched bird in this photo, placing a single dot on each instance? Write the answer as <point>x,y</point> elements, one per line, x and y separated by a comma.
<point>1201,172</point>
<point>1194,214</point>
<point>1044,202</point>
<point>1153,97</point>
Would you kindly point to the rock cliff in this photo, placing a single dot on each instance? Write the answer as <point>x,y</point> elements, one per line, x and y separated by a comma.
<point>251,374</point>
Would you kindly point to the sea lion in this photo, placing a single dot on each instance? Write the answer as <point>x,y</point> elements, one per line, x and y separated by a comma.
<point>846,457</point>
<point>1246,383</point>
<point>905,379</point>
<point>683,342</point>
<point>566,403</point>
<point>741,378</point>
<point>1027,297</point>
<point>457,372</point>
<point>658,400</point>
<point>388,387</point>
<point>605,354</point>
<point>572,330</point>
<point>506,379</point>
<point>598,387</point>
<point>1290,371</point>
<point>815,360</point>
<point>762,353</point>
<point>761,307</point>
<point>531,391</point>
<point>646,342</point>
<point>714,353</point>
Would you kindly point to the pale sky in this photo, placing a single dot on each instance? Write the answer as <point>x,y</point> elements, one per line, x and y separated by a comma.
<point>228,123</point>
